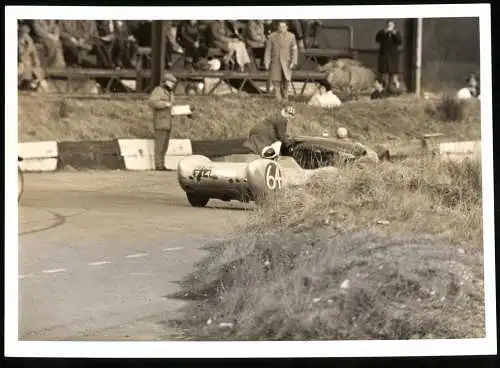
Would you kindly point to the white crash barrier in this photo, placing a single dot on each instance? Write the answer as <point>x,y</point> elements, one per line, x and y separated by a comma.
<point>460,150</point>
<point>138,154</point>
<point>38,156</point>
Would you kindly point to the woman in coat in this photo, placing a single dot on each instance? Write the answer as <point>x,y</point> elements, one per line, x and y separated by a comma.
<point>232,46</point>
<point>256,38</point>
<point>389,40</point>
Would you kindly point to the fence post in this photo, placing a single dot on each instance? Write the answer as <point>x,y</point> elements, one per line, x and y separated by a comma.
<point>158,44</point>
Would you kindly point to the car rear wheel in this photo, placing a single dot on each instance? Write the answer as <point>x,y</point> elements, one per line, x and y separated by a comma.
<point>196,200</point>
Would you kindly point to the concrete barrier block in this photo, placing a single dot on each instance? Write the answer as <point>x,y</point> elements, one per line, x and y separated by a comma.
<point>38,156</point>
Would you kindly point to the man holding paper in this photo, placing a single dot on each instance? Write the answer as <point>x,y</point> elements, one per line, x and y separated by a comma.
<point>160,101</point>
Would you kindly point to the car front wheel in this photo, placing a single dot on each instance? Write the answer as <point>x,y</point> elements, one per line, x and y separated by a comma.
<point>196,200</point>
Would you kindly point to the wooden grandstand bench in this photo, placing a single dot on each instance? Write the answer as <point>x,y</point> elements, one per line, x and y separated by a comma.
<point>240,78</point>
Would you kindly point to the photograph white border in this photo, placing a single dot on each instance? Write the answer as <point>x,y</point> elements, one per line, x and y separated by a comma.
<point>13,347</point>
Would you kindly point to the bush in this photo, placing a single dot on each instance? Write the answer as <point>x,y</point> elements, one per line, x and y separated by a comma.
<point>450,108</point>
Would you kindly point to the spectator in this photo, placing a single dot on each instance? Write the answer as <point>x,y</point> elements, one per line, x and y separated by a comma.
<point>256,38</point>
<point>106,32</point>
<point>233,47</point>
<point>295,27</point>
<point>171,28</point>
<point>471,90</point>
<point>80,39</point>
<point>47,33</point>
<point>473,85</point>
<point>29,69</point>
<point>160,101</point>
<point>125,52</point>
<point>236,28</point>
<point>190,40</point>
<point>389,40</point>
<point>120,47</point>
<point>311,30</point>
<point>269,27</point>
<point>280,58</point>
<point>379,90</point>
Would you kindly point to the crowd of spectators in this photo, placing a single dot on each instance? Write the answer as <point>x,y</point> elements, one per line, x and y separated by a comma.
<point>110,44</point>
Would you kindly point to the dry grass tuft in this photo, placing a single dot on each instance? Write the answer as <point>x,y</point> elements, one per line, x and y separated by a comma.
<point>46,117</point>
<point>321,262</point>
<point>449,109</point>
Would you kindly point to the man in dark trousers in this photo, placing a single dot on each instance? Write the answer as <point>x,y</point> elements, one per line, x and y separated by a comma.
<point>160,101</point>
<point>389,40</point>
<point>272,129</point>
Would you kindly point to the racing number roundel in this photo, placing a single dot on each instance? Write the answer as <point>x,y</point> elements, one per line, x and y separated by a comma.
<point>273,176</point>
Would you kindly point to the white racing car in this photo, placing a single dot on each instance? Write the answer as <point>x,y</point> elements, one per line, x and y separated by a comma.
<point>203,179</point>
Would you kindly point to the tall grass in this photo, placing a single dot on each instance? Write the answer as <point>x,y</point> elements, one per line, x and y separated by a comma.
<point>386,253</point>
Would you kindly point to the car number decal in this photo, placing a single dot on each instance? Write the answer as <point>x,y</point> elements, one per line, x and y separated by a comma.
<point>273,176</point>
<point>203,172</point>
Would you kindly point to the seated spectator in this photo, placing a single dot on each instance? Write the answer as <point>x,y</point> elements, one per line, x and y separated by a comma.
<point>269,27</point>
<point>256,38</point>
<point>47,32</point>
<point>29,70</point>
<point>233,47</point>
<point>295,26</point>
<point>311,29</point>
<point>236,28</point>
<point>471,90</point>
<point>125,52</point>
<point>190,40</point>
<point>106,32</point>
<point>80,39</point>
<point>171,28</point>
<point>118,45</point>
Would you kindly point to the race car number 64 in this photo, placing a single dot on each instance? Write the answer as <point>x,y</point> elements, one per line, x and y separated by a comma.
<point>273,176</point>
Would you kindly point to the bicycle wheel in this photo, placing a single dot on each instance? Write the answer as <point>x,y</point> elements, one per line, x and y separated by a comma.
<point>20,183</point>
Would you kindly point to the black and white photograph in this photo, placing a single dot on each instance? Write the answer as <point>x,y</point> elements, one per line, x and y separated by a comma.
<point>290,181</point>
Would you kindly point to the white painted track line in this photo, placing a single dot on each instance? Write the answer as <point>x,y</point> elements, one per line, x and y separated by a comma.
<point>55,270</point>
<point>137,255</point>
<point>98,263</point>
<point>171,249</point>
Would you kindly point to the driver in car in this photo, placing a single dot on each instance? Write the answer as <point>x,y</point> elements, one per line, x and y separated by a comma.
<point>262,135</point>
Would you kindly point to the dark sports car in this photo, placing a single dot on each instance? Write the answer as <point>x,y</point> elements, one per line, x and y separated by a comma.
<point>316,152</point>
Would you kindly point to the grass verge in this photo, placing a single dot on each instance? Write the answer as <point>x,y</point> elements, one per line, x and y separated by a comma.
<point>52,117</point>
<point>387,253</point>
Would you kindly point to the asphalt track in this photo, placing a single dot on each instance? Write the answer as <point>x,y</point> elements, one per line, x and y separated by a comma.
<point>99,252</point>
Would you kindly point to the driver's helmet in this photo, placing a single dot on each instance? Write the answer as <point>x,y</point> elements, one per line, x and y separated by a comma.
<point>272,151</point>
<point>269,152</point>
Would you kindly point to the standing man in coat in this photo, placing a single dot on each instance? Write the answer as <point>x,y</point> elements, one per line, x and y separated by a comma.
<point>280,58</point>
<point>389,40</point>
<point>160,101</point>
